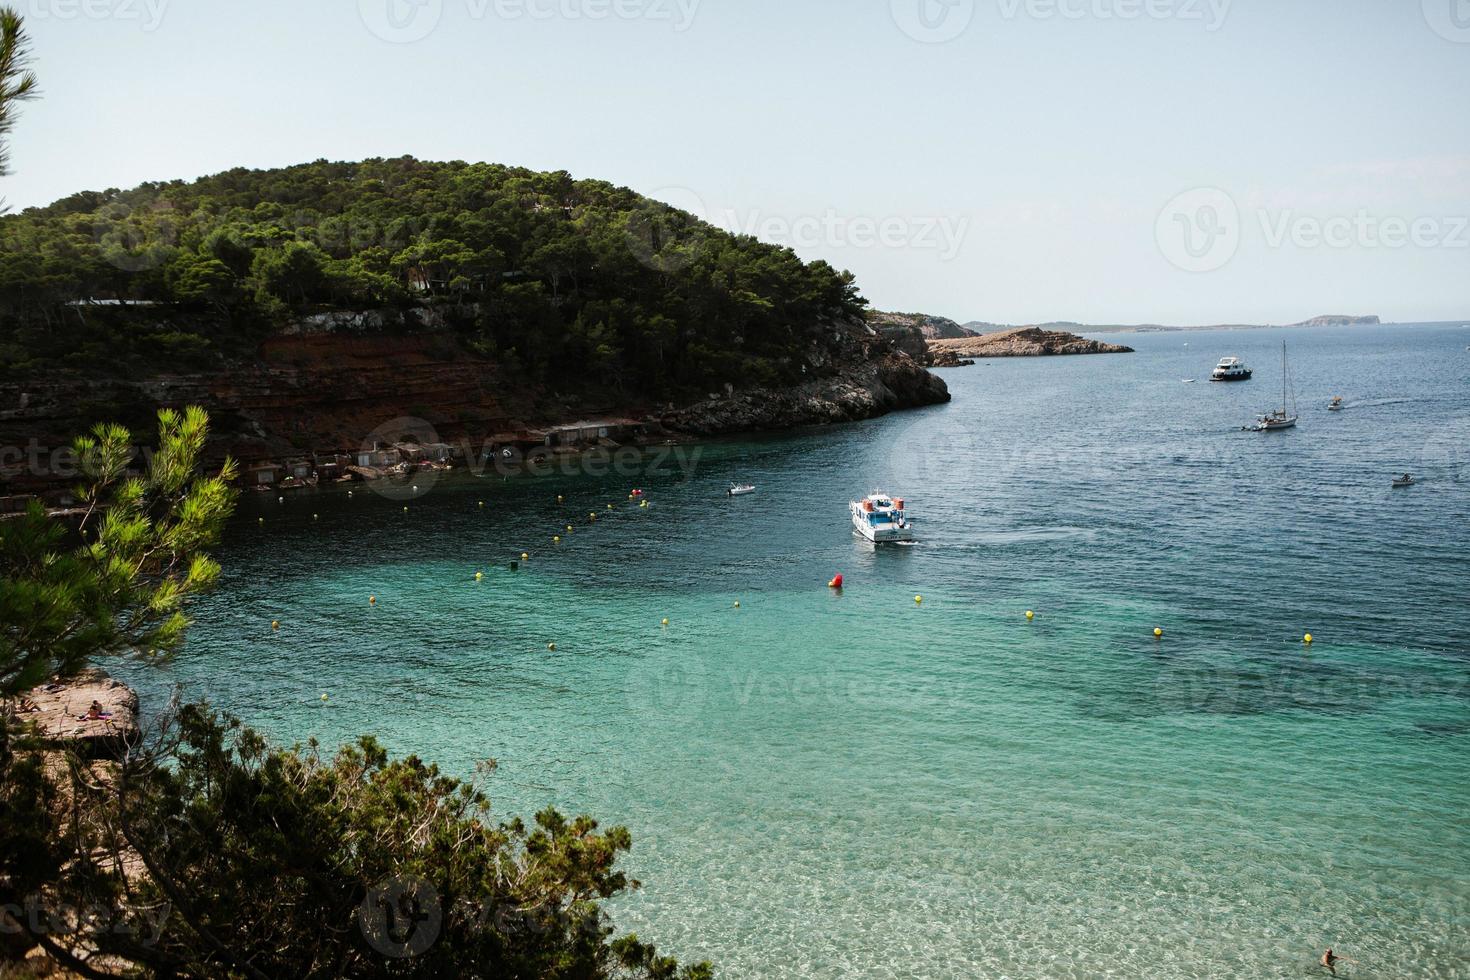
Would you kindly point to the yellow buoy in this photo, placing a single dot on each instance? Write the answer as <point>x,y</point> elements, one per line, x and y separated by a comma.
<point>405,510</point>
<point>260,520</point>
<point>479,575</point>
<point>609,507</point>
<point>737,603</point>
<point>313,516</point>
<point>1158,632</point>
<point>482,503</point>
<point>372,600</point>
<point>551,646</point>
<point>525,556</point>
<point>560,498</point>
<point>918,599</point>
<point>1307,638</point>
<point>275,624</point>
<point>569,529</point>
<point>642,503</point>
<point>1030,614</point>
<point>324,696</point>
<point>665,622</point>
<point>556,539</point>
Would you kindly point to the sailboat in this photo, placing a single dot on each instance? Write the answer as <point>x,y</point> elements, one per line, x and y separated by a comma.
<point>1280,419</point>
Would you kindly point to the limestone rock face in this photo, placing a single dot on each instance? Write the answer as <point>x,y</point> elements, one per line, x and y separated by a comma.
<point>62,709</point>
<point>869,377</point>
<point>1020,342</point>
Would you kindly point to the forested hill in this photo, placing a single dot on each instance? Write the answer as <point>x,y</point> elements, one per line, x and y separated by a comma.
<point>540,274</point>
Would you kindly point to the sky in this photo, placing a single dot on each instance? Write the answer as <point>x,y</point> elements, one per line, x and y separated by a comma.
<point>1013,161</point>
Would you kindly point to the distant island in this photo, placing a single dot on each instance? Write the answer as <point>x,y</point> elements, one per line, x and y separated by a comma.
<point>977,327</point>
<point>940,342</point>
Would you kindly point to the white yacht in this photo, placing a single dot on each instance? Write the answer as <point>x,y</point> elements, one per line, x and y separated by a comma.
<point>1230,369</point>
<point>740,489</point>
<point>879,517</point>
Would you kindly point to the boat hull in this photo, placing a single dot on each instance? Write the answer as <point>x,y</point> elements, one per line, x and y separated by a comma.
<point>882,535</point>
<point>1232,377</point>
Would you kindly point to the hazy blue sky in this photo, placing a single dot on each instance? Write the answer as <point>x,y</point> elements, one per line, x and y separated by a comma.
<point>1007,160</point>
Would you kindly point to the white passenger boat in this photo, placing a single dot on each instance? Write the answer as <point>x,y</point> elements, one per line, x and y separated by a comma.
<point>879,518</point>
<point>1230,369</point>
<point>740,489</point>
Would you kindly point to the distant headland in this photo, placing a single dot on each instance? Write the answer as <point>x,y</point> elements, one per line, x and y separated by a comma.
<point>1327,320</point>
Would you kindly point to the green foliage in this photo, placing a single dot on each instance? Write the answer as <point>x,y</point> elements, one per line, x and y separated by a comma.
<point>118,582</point>
<point>357,866</point>
<point>547,274</point>
<point>204,851</point>
<point>17,81</point>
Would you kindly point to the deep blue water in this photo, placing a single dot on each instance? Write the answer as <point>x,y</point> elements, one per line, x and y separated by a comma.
<point>857,784</point>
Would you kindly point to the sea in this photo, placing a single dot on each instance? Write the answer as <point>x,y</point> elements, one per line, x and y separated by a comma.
<point>907,777</point>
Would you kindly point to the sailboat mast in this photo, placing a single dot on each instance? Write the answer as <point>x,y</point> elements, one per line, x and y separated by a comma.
<point>1283,377</point>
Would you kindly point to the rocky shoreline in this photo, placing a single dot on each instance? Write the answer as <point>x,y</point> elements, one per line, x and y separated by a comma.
<point>1018,342</point>
<point>332,388</point>
<point>60,712</point>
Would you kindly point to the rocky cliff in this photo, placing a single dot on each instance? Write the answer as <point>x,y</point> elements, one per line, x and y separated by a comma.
<point>872,378</point>
<point>1019,342</point>
<point>342,383</point>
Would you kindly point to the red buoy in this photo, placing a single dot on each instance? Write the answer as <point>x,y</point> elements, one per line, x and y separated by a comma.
<point>836,582</point>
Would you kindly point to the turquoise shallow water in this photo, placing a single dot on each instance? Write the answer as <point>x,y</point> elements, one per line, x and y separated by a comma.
<point>854,785</point>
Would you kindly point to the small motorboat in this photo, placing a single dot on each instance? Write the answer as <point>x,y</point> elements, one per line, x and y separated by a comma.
<point>1407,480</point>
<point>1188,381</point>
<point>739,489</point>
<point>879,517</point>
<point>1336,404</point>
